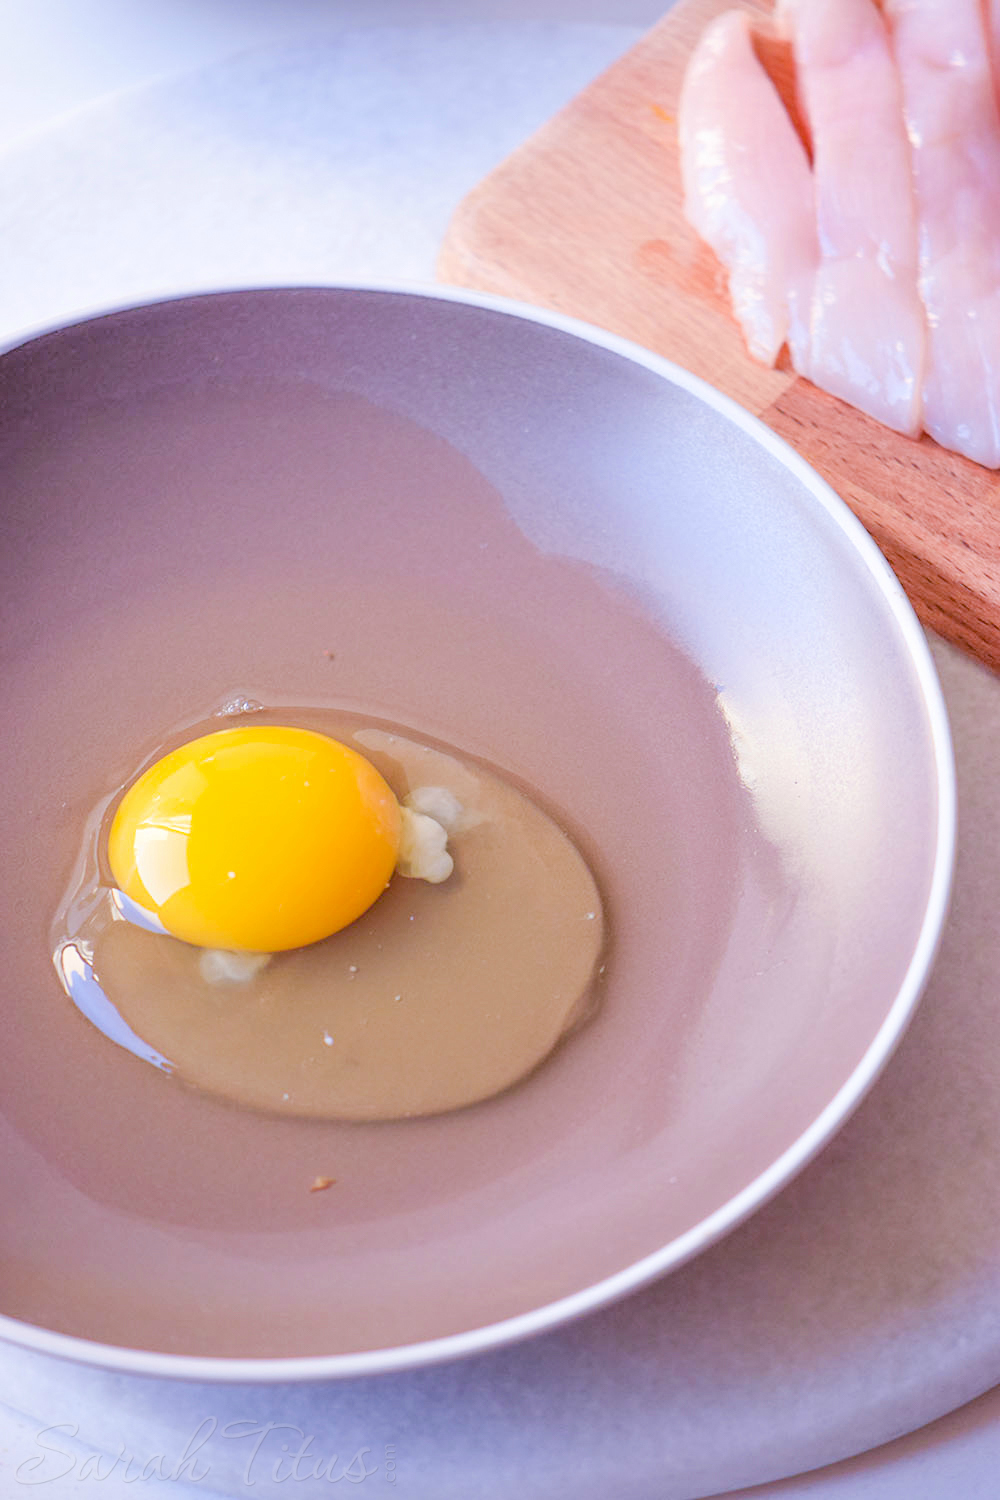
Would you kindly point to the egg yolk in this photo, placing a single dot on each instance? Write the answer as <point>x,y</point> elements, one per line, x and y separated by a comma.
<point>257,838</point>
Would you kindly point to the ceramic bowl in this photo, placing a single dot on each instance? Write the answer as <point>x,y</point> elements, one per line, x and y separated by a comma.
<point>540,545</point>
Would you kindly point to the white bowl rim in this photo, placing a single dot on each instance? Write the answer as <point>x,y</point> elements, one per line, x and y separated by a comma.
<point>265,1371</point>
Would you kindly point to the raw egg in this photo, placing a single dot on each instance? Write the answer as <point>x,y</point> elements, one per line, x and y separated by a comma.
<point>259,838</point>
<point>331,966</point>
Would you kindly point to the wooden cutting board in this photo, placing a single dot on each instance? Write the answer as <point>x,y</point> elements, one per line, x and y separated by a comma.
<point>586,218</point>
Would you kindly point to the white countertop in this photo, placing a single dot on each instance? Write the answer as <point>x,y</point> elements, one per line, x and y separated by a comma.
<point>117,119</point>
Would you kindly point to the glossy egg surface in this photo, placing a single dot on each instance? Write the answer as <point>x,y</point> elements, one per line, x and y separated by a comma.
<point>259,838</point>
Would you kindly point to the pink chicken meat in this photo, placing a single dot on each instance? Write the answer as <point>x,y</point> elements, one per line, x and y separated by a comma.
<point>950,105</point>
<point>878,259</point>
<point>748,188</point>
<point>867,329</point>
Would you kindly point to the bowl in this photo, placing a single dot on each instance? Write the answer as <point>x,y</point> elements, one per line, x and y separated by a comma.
<point>550,549</point>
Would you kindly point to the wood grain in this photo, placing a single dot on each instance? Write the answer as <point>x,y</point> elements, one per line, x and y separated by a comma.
<point>586,218</point>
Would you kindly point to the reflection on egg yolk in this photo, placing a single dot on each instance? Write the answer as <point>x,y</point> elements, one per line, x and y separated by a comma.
<point>257,838</point>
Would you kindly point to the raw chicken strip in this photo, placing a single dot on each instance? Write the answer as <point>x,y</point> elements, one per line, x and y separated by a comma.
<point>867,328</point>
<point>747,186</point>
<point>993,37</point>
<point>954,128</point>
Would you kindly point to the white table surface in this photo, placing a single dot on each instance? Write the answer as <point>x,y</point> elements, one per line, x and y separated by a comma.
<point>86,87</point>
